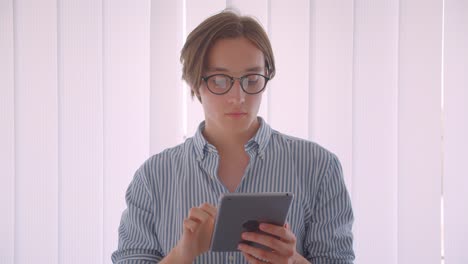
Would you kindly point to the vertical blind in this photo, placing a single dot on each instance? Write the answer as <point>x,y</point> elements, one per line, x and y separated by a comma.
<point>90,89</point>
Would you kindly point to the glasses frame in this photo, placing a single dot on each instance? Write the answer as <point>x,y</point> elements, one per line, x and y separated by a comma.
<point>233,79</point>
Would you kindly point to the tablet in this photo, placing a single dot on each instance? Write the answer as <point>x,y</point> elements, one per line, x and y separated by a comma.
<point>243,212</point>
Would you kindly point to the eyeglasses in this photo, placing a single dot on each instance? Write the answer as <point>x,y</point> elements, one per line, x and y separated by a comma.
<point>221,83</point>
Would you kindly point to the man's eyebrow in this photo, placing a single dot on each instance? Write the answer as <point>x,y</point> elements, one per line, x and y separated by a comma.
<point>257,68</point>
<point>221,69</point>
<point>217,69</point>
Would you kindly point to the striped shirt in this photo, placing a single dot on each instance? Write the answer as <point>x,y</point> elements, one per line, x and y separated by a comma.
<point>168,184</point>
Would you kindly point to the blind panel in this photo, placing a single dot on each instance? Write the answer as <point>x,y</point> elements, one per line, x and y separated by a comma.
<point>60,128</point>
<point>166,71</point>
<point>289,90</point>
<point>455,180</point>
<point>331,86</point>
<point>7,134</point>
<point>81,131</point>
<point>196,12</point>
<point>375,131</point>
<point>36,121</point>
<point>259,10</point>
<point>419,132</point>
<point>126,95</point>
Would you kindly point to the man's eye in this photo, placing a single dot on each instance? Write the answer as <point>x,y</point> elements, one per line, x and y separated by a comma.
<point>254,79</point>
<point>221,82</point>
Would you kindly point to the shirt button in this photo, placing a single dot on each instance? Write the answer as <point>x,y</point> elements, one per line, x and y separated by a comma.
<point>231,258</point>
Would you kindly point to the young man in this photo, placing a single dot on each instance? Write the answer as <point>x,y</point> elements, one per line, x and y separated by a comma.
<point>227,62</point>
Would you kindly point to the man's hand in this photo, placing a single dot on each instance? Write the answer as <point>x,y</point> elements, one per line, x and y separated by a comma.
<point>196,236</point>
<point>283,248</point>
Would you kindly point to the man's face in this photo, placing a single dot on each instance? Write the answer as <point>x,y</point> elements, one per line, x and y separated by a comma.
<point>234,111</point>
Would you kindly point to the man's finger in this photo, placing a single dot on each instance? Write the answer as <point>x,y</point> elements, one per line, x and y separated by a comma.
<point>190,224</point>
<point>283,233</point>
<point>199,214</point>
<point>210,209</point>
<point>266,240</point>
<point>256,255</point>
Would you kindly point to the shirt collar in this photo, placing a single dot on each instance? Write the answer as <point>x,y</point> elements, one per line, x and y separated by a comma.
<point>260,140</point>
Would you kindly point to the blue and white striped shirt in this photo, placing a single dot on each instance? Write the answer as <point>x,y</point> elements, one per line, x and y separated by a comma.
<point>168,184</point>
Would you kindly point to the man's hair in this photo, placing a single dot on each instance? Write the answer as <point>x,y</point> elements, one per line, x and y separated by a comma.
<point>227,24</point>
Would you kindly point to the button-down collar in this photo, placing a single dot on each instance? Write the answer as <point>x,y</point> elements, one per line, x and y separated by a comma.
<point>259,141</point>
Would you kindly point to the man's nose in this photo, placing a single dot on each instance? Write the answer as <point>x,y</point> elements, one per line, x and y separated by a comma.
<point>236,94</point>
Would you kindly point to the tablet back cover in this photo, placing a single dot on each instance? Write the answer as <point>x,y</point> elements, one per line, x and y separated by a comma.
<point>242,212</point>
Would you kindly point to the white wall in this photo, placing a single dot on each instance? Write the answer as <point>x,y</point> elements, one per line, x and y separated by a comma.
<point>90,89</point>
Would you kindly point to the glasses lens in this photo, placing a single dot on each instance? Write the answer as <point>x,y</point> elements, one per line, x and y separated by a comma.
<point>253,83</point>
<point>218,83</point>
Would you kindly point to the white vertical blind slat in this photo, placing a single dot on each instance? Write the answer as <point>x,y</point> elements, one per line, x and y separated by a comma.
<point>196,12</point>
<point>289,91</point>
<point>259,10</point>
<point>455,180</point>
<point>81,131</point>
<point>331,87</point>
<point>166,71</point>
<point>36,121</point>
<point>375,102</point>
<point>7,134</point>
<point>419,132</point>
<point>126,68</point>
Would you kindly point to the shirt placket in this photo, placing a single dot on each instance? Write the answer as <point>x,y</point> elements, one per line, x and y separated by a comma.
<point>210,166</point>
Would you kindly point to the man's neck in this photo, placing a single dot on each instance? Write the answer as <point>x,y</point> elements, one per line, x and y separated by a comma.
<point>227,141</point>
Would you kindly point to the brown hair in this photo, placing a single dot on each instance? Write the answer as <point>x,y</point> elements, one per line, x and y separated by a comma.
<point>227,24</point>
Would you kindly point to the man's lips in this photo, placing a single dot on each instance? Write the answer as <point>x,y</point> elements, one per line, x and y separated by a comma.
<point>236,114</point>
